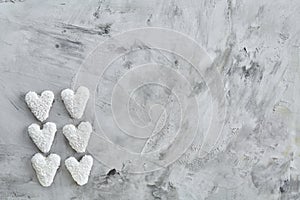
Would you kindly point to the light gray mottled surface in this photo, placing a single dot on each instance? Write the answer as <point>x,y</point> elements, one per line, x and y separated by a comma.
<point>253,44</point>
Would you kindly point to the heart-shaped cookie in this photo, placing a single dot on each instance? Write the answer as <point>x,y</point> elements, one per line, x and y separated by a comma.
<point>40,105</point>
<point>44,137</point>
<point>75,103</point>
<point>80,171</point>
<point>45,167</point>
<point>78,137</point>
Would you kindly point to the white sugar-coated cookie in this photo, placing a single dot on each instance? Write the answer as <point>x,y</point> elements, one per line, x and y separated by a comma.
<point>78,137</point>
<point>42,138</point>
<point>75,103</point>
<point>45,167</point>
<point>40,105</point>
<point>80,171</point>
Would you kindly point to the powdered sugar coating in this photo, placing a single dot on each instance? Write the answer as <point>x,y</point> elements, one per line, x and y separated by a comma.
<point>45,167</point>
<point>40,105</point>
<point>80,171</point>
<point>75,103</point>
<point>78,137</point>
<point>42,138</point>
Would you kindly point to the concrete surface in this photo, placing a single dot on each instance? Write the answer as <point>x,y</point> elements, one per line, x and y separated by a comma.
<point>254,45</point>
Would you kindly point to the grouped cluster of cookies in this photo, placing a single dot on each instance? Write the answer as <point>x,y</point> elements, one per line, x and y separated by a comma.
<point>78,137</point>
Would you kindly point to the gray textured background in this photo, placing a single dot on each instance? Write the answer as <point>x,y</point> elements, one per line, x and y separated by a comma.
<point>255,45</point>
